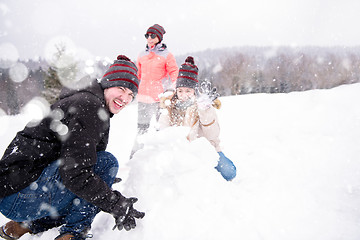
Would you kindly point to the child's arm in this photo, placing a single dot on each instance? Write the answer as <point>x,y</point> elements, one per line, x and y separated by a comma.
<point>209,125</point>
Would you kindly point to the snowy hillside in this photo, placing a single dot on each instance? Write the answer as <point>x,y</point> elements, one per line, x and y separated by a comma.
<point>298,176</point>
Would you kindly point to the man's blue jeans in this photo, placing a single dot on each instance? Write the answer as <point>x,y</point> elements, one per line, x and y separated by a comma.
<point>47,203</point>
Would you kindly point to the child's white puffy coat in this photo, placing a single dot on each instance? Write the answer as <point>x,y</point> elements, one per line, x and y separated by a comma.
<point>203,122</point>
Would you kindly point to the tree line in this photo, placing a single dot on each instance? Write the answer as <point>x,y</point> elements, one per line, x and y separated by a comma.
<point>278,70</point>
<point>234,71</point>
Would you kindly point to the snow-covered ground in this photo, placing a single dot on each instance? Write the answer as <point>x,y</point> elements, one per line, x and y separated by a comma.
<point>298,176</point>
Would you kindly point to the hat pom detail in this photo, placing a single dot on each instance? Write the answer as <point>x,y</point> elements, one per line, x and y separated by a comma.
<point>190,60</point>
<point>123,57</point>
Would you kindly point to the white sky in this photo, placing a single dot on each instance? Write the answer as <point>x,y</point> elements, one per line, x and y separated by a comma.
<point>115,27</point>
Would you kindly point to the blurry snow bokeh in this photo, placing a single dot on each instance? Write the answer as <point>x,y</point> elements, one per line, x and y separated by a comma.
<point>9,55</point>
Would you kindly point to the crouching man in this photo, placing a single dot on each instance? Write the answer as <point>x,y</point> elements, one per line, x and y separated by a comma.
<point>58,173</point>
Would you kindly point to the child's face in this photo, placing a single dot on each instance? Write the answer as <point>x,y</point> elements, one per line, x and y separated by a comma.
<point>185,93</point>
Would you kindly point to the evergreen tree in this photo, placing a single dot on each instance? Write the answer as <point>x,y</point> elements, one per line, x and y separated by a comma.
<point>57,77</point>
<point>9,87</point>
<point>52,85</point>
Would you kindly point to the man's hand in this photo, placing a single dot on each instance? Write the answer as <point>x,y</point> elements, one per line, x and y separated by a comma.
<point>125,214</point>
<point>128,221</point>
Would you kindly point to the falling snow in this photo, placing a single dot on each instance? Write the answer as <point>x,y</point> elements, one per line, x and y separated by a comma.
<point>297,160</point>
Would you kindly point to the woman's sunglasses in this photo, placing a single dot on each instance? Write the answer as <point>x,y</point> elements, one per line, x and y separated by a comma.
<point>153,36</point>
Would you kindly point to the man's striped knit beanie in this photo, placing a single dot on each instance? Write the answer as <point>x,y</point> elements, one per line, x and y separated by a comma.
<point>122,73</point>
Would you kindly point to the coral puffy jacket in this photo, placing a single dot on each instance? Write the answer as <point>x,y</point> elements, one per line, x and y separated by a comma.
<point>157,71</point>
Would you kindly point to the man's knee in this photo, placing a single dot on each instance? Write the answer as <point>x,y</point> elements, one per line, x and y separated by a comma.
<point>107,166</point>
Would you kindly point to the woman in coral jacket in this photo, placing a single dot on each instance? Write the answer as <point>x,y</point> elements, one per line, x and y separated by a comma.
<point>157,71</point>
<point>197,111</point>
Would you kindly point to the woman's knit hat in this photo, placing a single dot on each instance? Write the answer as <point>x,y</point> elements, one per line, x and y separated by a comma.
<point>122,73</point>
<point>158,30</point>
<point>188,74</point>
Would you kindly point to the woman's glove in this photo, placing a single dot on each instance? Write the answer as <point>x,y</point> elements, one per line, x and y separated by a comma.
<point>125,213</point>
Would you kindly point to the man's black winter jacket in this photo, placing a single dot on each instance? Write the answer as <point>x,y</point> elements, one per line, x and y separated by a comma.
<point>76,128</point>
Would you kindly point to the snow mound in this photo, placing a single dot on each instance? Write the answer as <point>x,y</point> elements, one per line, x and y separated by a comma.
<point>177,186</point>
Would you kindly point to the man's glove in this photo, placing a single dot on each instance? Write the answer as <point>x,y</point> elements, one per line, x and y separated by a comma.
<point>125,213</point>
<point>127,221</point>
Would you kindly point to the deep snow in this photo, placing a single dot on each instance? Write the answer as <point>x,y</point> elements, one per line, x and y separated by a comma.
<point>298,176</point>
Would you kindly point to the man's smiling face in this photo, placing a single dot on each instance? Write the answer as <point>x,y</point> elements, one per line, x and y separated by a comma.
<point>117,98</point>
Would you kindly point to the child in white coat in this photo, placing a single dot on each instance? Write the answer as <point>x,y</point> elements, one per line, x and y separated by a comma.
<point>185,107</point>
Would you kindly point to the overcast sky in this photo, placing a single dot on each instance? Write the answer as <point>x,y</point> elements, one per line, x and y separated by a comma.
<point>112,27</point>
